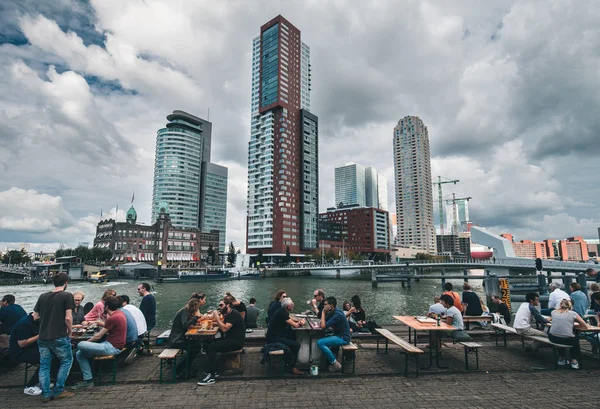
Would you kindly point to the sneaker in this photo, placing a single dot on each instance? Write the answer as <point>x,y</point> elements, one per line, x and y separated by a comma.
<point>64,395</point>
<point>334,367</point>
<point>208,380</point>
<point>82,385</point>
<point>574,364</point>
<point>562,362</point>
<point>33,391</point>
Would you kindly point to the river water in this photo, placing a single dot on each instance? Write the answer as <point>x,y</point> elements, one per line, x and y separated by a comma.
<point>380,303</point>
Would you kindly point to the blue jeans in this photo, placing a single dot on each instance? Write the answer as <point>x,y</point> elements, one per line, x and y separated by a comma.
<point>61,347</point>
<point>86,350</point>
<point>326,343</point>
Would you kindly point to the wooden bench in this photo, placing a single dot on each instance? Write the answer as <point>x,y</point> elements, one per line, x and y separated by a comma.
<point>408,348</point>
<point>98,365</point>
<point>167,355</point>
<point>500,328</point>
<point>279,353</point>
<point>232,359</point>
<point>162,338</point>
<point>349,350</point>
<point>471,347</point>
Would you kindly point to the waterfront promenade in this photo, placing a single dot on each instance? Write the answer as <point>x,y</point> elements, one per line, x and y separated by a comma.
<point>508,377</point>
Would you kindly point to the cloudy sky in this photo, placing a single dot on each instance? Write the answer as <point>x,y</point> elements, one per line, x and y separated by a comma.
<point>509,90</point>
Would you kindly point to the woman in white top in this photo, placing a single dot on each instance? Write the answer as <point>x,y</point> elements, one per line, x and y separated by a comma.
<point>561,332</point>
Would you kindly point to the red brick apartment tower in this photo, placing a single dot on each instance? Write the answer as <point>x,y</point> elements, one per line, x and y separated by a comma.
<point>282,208</point>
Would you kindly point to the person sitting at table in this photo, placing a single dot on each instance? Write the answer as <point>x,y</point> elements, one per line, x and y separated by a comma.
<point>318,302</point>
<point>98,313</point>
<point>10,313</point>
<point>594,306</point>
<point>115,330</point>
<point>358,314</point>
<point>556,296</point>
<point>278,332</point>
<point>448,291</point>
<point>335,319</point>
<point>453,317</point>
<point>579,300</point>
<point>252,313</point>
<point>275,305</point>
<point>138,316</point>
<point>501,308</point>
<point>184,319</point>
<point>78,314</point>
<point>522,323</point>
<point>238,305</point>
<point>23,348</point>
<point>437,308</point>
<point>472,301</point>
<point>233,329</point>
<point>131,337</point>
<point>200,297</point>
<point>561,332</point>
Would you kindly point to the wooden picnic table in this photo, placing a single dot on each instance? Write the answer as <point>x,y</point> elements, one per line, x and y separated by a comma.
<point>432,329</point>
<point>197,333</point>
<point>467,319</point>
<point>307,336</point>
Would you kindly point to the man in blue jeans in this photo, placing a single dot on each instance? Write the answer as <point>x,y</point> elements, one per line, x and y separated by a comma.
<point>335,319</point>
<point>54,310</point>
<point>115,329</point>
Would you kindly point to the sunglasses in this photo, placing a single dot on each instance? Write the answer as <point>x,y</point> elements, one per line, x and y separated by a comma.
<point>221,305</point>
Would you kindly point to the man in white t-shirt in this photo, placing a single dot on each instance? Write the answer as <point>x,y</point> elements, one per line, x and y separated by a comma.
<point>437,308</point>
<point>526,311</point>
<point>137,314</point>
<point>556,296</point>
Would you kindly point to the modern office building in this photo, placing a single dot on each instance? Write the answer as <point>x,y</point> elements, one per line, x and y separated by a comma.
<point>375,189</point>
<point>412,180</point>
<point>350,186</point>
<point>282,209</point>
<point>355,228</point>
<point>213,199</point>
<point>194,189</point>
<point>462,216</point>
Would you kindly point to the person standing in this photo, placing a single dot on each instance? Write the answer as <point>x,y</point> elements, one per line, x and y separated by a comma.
<point>78,314</point>
<point>277,332</point>
<point>234,334</point>
<point>334,318</point>
<point>115,330</point>
<point>10,313</point>
<point>54,309</point>
<point>148,308</point>
<point>252,314</point>
<point>472,301</point>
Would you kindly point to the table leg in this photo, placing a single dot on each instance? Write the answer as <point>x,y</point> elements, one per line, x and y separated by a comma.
<point>188,350</point>
<point>431,341</point>
<point>438,353</point>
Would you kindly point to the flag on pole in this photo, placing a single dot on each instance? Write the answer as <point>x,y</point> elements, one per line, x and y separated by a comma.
<point>132,197</point>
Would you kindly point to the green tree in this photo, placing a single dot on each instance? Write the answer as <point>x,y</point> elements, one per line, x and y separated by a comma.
<point>423,256</point>
<point>259,256</point>
<point>16,257</point>
<point>231,254</point>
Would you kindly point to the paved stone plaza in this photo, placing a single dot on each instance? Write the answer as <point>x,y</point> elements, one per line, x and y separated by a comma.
<point>508,377</point>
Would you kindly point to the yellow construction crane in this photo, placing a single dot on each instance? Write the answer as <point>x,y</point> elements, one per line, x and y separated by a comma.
<point>440,182</point>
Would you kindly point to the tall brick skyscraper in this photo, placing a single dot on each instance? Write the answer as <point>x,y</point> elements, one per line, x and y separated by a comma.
<point>283,187</point>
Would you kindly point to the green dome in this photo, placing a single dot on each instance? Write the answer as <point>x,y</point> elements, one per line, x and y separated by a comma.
<point>131,216</point>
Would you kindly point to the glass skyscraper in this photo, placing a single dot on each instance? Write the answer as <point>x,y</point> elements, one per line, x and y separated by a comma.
<point>412,179</point>
<point>282,152</point>
<point>194,189</point>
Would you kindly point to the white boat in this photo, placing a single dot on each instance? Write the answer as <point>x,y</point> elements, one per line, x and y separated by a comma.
<point>335,271</point>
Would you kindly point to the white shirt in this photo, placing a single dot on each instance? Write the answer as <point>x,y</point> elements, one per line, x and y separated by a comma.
<point>437,308</point>
<point>522,317</point>
<point>556,297</point>
<point>138,316</point>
